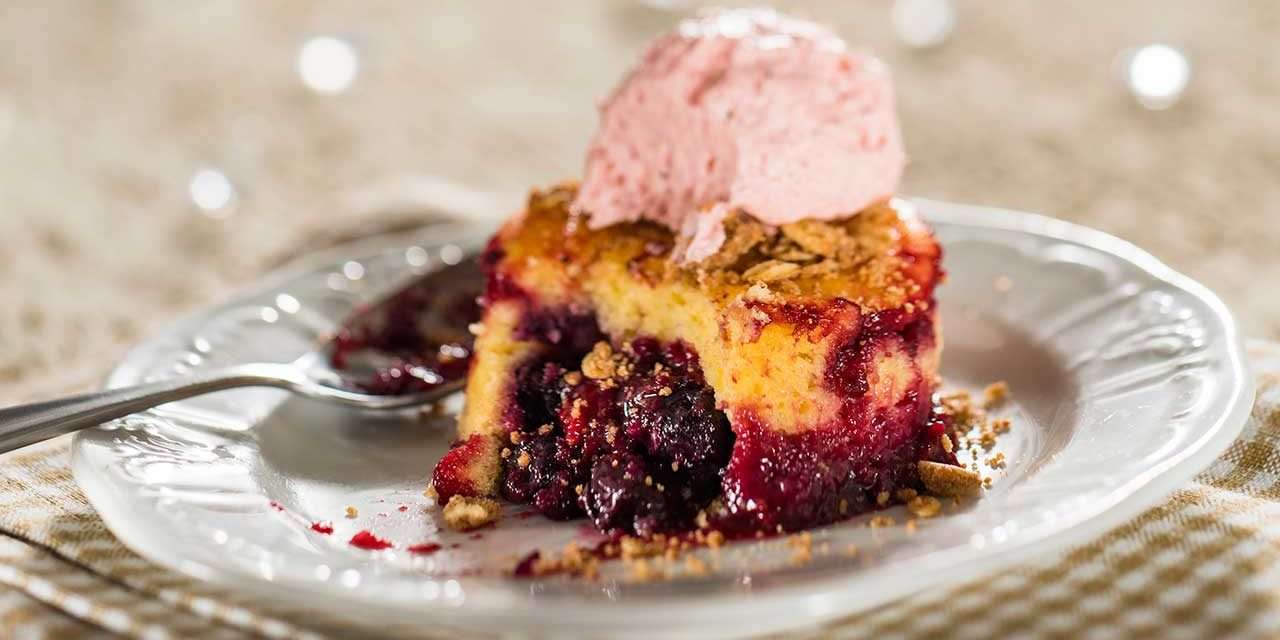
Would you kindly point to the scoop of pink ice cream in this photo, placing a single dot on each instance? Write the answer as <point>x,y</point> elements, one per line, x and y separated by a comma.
<point>743,110</point>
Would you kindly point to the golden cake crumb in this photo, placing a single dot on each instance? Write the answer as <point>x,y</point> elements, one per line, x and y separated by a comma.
<point>694,566</point>
<point>879,522</point>
<point>571,560</point>
<point>995,394</point>
<point>715,539</point>
<point>801,556</point>
<point>987,437</point>
<point>906,495</point>
<point>997,461</point>
<point>959,405</point>
<point>801,548</point>
<point>352,511</point>
<point>431,492</point>
<point>802,539</point>
<point>599,364</point>
<point>641,571</point>
<point>464,512</point>
<point>924,506</point>
<point>633,548</point>
<point>574,560</point>
<point>948,480</point>
<point>882,498</point>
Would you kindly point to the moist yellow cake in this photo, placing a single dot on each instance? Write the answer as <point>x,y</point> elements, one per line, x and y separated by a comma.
<point>785,381</point>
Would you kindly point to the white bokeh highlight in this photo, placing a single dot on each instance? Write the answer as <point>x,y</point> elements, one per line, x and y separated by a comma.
<point>1156,75</point>
<point>211,192</point>
<point>923,23</point>
<point>328,65</point>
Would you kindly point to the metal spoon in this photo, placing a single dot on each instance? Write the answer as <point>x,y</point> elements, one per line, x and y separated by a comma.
<point>311,376</point>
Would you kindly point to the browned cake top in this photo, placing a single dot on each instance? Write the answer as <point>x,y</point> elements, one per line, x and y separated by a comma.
<point>880,258</point>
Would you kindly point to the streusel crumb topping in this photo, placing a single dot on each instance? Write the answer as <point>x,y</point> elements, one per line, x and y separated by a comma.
<point>861,258</point>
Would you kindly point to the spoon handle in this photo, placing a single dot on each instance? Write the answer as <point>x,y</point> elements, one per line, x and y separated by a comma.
<point>30,423</point>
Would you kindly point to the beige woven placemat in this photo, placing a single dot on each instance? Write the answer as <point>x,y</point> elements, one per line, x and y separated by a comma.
<point>107,109</point>
<point>1201,565</point>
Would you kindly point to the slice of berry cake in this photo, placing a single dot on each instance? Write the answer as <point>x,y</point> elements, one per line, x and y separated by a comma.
<point>783,382</point>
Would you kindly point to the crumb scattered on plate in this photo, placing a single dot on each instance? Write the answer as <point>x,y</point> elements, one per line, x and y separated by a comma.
<point>465,513</point>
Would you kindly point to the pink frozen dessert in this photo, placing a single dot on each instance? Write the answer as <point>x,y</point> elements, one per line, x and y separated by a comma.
<point>743,110</point>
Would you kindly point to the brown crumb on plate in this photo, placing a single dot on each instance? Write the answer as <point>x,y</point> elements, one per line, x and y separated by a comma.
<point>924,506</point>
<point>948,480</point>
<point>694,566</point>
<point>995,394</point>
<point>879,522</point>
<point>464,513</point>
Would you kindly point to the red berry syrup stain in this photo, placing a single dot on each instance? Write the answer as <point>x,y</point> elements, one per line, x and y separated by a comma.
<point>277,506</point>
<point>366,540</point>
<point>524,568</point>
<point>402,508</point>
<point>425,548</point>
<point>322,527</point>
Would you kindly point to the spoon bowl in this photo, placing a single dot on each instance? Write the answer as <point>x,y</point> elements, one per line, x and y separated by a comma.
<point>316,374</point>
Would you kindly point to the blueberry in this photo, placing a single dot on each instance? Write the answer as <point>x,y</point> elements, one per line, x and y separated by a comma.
<point>538,390</point>
<point>558,500</point>
<point>617,492</point>
<point>679,423</point>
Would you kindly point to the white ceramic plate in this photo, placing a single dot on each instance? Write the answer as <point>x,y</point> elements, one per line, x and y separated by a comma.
<point>1127,379</point>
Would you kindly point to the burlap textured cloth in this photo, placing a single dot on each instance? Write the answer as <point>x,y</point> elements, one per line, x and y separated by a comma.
<point>107,109</point>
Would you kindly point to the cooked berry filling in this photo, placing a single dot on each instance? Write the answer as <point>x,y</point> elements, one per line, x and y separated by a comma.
<point>632,439</point>
<point>416,339</point>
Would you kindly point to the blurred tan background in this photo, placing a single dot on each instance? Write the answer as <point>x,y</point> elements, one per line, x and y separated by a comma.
<point>108,109</point>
